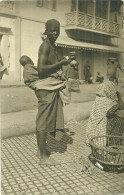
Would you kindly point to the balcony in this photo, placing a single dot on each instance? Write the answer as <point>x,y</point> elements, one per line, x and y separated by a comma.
<point>82,21</point>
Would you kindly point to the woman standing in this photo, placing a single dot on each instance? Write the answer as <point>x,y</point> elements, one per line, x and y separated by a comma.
<point>50,108</point>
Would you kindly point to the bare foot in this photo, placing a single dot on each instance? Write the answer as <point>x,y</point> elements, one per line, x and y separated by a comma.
<point>48,161</point>
<point>47,153</point>
<point>38,152</point>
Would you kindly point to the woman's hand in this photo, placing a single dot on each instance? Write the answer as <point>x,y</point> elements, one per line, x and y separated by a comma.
<point>120,113</point>
<point>112,110</point>
<point>64,62</point>
<point>118,94</point>
<point>63,76</point>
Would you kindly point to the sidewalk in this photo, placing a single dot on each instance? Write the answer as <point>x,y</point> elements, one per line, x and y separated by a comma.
<point>23,122</point>
<point>22,174</point>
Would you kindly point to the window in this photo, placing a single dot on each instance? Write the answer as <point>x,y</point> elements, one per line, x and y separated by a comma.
<point>49,4</point>
<point>53,5</point>
<point>73,5</point>
<point>83,5</point>
<point>101,8</point>
<point>115,5</point>
<point>40,3</point>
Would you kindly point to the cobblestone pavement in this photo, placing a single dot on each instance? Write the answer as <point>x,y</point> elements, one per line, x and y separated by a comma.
<point>22,174</point>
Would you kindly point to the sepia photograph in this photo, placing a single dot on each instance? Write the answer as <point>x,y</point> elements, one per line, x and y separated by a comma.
<point>62,97</point>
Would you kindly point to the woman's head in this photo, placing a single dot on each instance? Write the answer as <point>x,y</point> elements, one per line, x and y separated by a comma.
<point>107,89</point>
<point>52,29</point>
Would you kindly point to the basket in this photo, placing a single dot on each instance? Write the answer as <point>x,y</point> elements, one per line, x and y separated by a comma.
<point>109,151</point>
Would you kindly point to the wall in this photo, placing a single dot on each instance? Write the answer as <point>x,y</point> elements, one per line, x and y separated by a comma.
<point>30,39</point>
<point>30,10</point>
<point>10,62</point>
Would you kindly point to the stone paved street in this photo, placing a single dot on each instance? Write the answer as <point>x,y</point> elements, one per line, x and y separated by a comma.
<point>22,174</point>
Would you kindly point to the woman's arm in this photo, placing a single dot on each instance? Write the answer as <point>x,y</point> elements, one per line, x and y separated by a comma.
<point>43,58</point>
<point>120,100</point>
<point>112,110</point>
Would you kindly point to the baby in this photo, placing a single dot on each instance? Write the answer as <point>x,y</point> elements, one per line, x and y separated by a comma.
<point>32,80</point>
<point>30,73</point>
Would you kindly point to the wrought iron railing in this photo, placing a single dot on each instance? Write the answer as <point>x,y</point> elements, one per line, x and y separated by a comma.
<point>93,23</point>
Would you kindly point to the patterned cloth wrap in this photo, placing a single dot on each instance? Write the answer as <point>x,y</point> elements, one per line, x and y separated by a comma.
<point>106,97</point>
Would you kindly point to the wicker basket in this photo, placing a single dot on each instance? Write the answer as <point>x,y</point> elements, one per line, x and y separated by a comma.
<point>109,151</point>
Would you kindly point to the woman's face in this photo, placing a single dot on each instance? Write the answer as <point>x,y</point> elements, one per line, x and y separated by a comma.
<point>53,33</point>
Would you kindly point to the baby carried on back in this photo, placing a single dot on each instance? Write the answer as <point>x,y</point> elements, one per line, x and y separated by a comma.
<point>53,82</point>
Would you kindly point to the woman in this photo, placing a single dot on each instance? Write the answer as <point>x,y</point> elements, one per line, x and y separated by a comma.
<point>106,98</point>
<point>115,117</point>
<point>50,108</point>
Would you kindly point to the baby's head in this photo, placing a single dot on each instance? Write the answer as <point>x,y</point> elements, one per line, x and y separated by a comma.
<point>74,64</point>
<point>72,55</point>
<point>25,60</point>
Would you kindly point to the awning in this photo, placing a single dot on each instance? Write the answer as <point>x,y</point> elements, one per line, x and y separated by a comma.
<point>64,41</point>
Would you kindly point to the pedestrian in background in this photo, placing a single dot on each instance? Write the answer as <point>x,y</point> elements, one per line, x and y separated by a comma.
<point>113,66</point>
<point>72,73</point>
<point>99,78</point>
<point>2,68</point>
<point>87,74</point>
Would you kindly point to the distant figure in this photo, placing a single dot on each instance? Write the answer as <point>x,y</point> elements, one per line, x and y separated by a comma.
<point>113,67</point>
<point>72,73</point>
<point>117,75</point>
<point>99,78</point>
<point>87,75</point>
<point>2,68</point>
<point>73,67</point>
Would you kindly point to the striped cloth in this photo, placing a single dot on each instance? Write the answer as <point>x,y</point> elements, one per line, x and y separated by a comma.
<point>105,98</point>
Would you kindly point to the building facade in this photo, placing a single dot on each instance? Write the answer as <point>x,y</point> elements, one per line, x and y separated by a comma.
<point>92,28</point>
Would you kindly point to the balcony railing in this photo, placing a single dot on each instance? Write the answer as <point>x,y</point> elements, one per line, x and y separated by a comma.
<point>92,23</point>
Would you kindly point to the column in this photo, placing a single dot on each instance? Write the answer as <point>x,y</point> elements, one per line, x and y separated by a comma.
<point>77,7</point>
<point>17,48</point>
<point>94,8</point>
<point>108,14</point>
<point>94,14</point>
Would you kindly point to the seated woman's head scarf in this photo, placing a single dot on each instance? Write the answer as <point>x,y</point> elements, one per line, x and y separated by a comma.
<point>107,89</point>
<point>106,97</point>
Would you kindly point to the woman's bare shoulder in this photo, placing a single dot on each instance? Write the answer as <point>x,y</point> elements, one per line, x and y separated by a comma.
<point>44,46</point>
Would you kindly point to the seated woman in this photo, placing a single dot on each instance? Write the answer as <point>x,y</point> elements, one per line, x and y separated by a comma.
<point>115,117</point>
<point>107,98</point>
